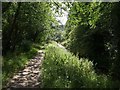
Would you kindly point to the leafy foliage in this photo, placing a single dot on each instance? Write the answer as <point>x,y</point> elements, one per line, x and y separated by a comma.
<point>61,69</point>
<point>24,23</point>
<point>91,33</point>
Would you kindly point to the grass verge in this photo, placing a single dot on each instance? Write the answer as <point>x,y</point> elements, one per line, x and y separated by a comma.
<point>61,69</point>
<point>14,62</point>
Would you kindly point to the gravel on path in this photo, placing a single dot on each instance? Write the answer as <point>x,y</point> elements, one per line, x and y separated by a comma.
<point>30,75</point>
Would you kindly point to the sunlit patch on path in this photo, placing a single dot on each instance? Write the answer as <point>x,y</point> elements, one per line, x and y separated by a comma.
<point>30,75</point>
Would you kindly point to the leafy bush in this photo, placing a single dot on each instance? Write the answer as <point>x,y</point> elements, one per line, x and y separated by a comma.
<point>31,53</point>
<point>61,69</point>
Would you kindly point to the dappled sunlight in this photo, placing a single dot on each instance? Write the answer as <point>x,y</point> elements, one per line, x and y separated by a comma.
<point>64,70</point>
<point>60,45</point>
<point>29,75</point>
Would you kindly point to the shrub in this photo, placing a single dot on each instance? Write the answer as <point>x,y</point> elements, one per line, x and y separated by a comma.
<point>31,53</point>
<point>61,69</point>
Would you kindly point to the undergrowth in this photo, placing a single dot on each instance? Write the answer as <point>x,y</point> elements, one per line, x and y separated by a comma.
<point>61,69</point>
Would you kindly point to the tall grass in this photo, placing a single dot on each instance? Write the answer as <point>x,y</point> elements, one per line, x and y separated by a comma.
<point>61,69</point>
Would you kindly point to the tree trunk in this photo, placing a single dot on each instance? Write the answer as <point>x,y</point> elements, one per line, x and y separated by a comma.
<point>12,29</point>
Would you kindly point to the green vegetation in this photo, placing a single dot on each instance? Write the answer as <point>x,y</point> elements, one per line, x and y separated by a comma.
<point>91,37</point>
<point>61,69</point>
<point>25,24</point>
<point>93,32</point>
<point>26,27</point>
<point>14,62</point>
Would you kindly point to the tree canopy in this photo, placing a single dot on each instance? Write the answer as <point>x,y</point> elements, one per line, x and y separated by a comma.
<point>91,37</point>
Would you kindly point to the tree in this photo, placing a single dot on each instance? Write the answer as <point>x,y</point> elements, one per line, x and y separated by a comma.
<point>26,23</point>
<point>89,32</point>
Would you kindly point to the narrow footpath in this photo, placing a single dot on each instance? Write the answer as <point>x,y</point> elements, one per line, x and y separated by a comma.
<point>30,75</point>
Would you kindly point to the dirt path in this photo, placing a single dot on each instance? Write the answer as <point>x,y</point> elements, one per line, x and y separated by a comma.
<point>61,46</point>
<point>30,75</point>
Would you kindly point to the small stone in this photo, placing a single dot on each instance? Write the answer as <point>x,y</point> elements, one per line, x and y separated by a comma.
<point>25,73</point>
<point>36,72</point>
<point>23,84</point>
<point>32,75</point>
<point>29,67</point>
<point>42,54</point>
<point>35,66</point>
<point>12,81</point>
<point>31,63</point>
<point>16,77</point>
<point>42,58</point>
<point>40,51</point>
<point>32,78</point>
<point>26,70</point>
<point>37,83</point>
<point>23,79</point>
<point>38,63</point>
<point>30,81</point>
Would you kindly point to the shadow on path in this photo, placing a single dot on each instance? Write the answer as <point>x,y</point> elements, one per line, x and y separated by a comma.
<point>29,77</point>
